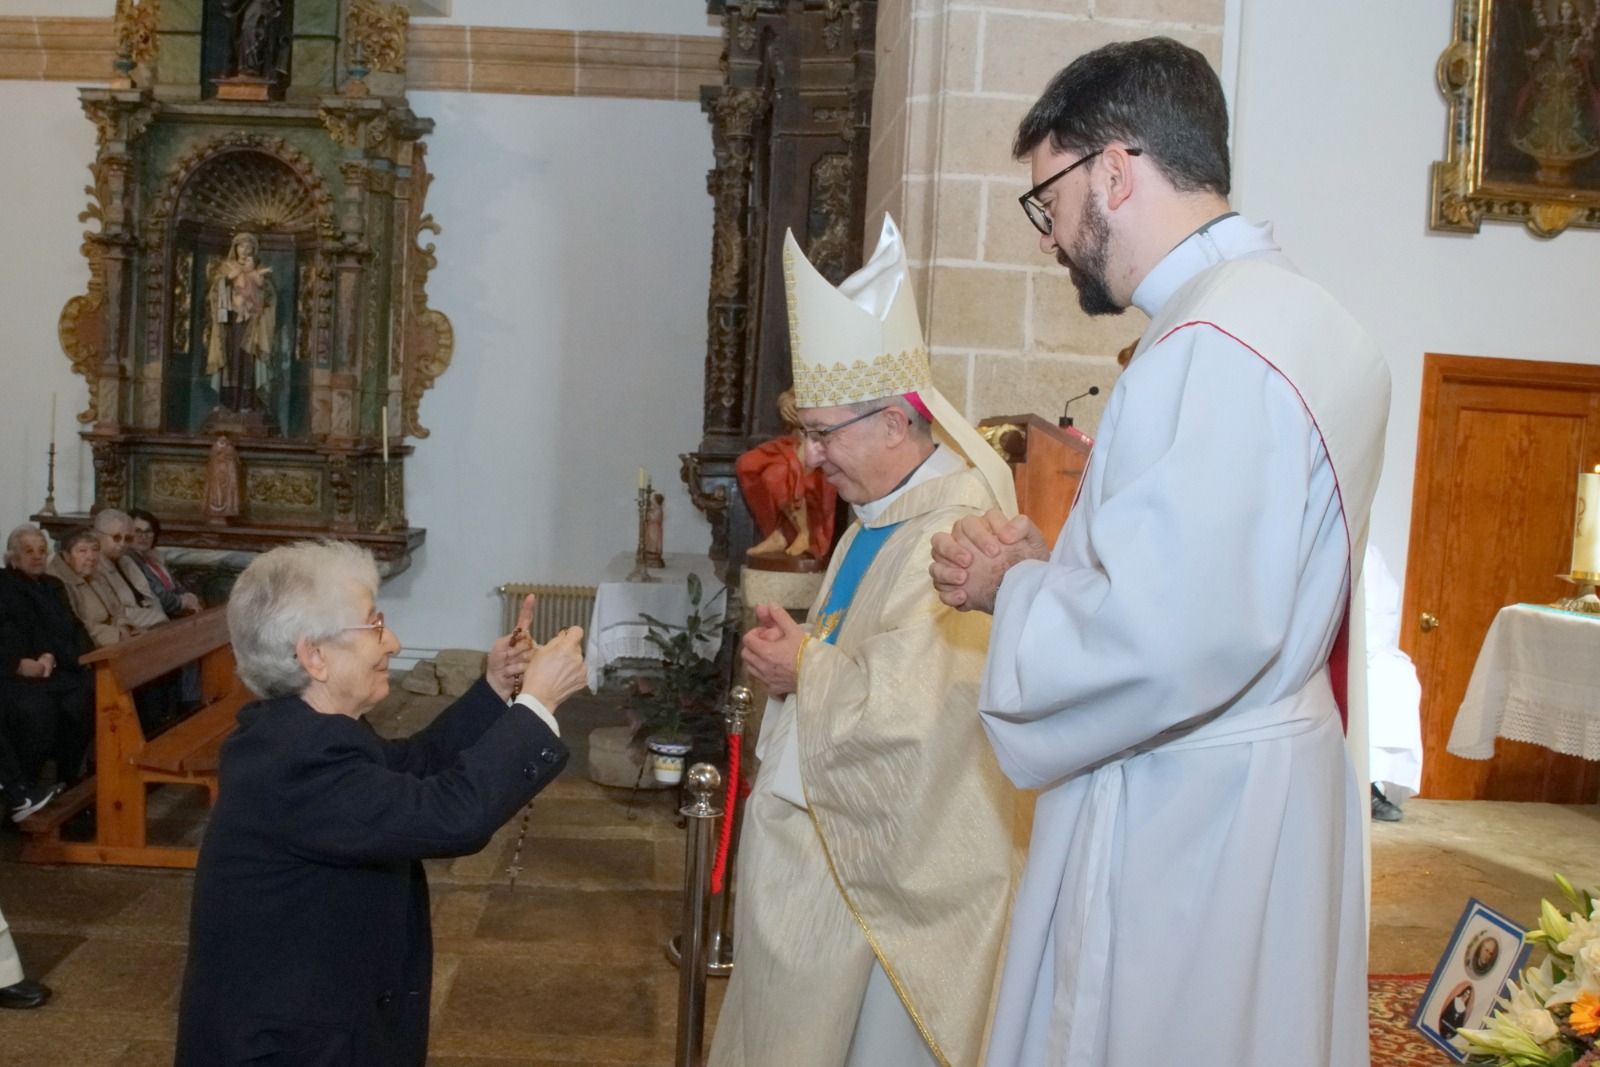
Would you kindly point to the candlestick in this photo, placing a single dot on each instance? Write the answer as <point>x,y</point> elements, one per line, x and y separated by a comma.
<point>641,554</point>
<point>50,488</point>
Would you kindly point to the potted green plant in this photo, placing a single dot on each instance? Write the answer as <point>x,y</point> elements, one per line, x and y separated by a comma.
<point>677,704</point>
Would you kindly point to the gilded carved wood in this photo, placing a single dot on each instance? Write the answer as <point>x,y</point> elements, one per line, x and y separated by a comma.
<point>255,270</point>
<point>789,139</point>
<point>376,35</point>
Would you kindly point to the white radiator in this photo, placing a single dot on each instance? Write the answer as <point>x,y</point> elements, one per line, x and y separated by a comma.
<point>557,607</point>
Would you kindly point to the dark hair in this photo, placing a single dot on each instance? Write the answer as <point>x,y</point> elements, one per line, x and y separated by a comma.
<point>74,536</point>
<point>1154,94</point>
<point>155,523</point>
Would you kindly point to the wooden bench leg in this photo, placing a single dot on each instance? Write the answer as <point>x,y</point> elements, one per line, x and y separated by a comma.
<point>119,804</point>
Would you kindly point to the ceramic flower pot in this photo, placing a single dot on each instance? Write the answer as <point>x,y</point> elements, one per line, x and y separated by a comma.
<point>666,759</point>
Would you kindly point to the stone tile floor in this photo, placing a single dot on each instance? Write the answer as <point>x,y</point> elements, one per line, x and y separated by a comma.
<point>567,968</point>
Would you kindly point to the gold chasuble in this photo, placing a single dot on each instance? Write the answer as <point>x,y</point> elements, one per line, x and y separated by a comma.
<point>911,836</point>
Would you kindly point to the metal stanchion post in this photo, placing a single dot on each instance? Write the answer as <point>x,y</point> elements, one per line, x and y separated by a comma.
<point>719,952</point>
<point>740,701</point>
<point>701,814</point>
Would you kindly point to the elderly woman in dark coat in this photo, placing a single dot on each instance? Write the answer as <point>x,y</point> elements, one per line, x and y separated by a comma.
<point>309,936</point>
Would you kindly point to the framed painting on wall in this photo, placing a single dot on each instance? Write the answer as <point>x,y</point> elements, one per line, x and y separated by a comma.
<point>1523,144</point>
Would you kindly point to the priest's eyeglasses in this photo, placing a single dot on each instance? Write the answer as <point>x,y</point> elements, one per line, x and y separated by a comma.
<point>376,624</point>
<point>820,435</point>
<point>1037,213</point>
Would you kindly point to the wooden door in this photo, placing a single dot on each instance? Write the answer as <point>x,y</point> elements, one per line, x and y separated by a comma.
<point>1499,447</point>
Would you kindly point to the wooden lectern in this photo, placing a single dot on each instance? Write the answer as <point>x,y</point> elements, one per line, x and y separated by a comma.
<point>1047,461</point>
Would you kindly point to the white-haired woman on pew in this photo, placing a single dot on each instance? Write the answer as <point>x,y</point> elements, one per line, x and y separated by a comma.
<point>309,936</point>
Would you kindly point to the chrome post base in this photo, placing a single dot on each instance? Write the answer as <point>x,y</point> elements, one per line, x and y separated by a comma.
<point>719,963</point>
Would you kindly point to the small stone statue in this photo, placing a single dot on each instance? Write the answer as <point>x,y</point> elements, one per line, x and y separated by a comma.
<point>654,516</point>
<point>221,502</point>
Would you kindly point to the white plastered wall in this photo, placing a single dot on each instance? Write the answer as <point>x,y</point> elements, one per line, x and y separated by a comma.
<point>1337,122</point>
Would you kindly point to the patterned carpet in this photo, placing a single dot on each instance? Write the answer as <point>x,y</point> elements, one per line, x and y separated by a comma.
<point>1392,999</point>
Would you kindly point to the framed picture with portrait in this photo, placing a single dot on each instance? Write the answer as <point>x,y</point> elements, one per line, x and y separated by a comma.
<point>1523,141</point>
<point>1485,952</point>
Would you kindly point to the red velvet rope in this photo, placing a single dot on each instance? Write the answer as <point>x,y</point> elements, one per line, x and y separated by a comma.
<point>719,868</point>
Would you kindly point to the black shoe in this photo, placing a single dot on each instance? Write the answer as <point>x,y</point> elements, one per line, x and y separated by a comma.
<point>1384,809</point>
<point>31,801</point>
<point>24,995</point>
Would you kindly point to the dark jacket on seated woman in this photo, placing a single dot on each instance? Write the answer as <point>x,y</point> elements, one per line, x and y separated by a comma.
<point>310,938</point>
<point>51,715</point>
<point>36,616</point>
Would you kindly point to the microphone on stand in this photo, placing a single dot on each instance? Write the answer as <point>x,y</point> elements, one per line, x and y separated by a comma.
<point>1066,420</point>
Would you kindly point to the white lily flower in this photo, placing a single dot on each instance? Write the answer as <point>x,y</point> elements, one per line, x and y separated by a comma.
<point>1521,1026</point>
<point>1502,1037</point>
<point>1581,933</point>
<point>1554,924</point>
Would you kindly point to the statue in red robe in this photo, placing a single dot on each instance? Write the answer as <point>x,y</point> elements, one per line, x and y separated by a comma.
<point>792,504</point>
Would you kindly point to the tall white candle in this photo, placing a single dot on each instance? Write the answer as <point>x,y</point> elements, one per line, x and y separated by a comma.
<point>385,420</point>
<point>642,481</point>
<point>52,418</point>
<point>1586,529</point>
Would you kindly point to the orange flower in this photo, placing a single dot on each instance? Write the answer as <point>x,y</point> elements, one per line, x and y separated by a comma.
<point>1585,1018</point>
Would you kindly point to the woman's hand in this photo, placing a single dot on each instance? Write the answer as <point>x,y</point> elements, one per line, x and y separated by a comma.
<point>509,656</point>
<point>557,670</point>
<point>36,668</point>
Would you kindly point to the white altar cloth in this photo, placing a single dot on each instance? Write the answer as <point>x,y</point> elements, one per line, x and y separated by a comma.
<point>616,630</point>
<point>1537,679</point>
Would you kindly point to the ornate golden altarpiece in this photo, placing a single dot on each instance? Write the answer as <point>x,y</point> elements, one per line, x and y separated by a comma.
<point>255,274</point>
<point>790,128</point>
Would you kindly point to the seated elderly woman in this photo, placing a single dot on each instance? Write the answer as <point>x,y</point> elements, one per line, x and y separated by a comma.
<point>174,598</point>
<point>309,936</point>
<point>122,574</point>
<point>46,695</point>
<point>77,564</point>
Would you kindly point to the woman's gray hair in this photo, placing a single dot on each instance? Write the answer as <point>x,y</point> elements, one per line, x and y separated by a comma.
<point>17,536</point>
<point>304,590</point>
<point>77,536</point>
<point>108,519</point>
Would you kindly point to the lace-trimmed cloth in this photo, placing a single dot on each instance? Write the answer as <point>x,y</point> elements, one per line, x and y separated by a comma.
<point>1537,680</point>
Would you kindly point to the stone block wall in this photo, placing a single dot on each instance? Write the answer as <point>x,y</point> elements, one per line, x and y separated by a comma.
<point>954,78</point>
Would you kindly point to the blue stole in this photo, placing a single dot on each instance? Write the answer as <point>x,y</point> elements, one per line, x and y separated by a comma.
<point>863,550</point>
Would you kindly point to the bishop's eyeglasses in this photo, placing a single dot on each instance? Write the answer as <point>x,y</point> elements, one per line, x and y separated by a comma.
<point>820,435</point>
<point>1037,213</point>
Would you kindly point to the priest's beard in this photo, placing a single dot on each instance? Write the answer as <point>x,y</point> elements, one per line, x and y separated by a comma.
<point>1088,266</point>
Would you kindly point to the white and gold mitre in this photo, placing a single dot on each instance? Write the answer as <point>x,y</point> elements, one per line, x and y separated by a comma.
<point>863,341</point>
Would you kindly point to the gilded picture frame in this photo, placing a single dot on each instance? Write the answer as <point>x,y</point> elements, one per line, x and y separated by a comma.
<point>1522,78</point>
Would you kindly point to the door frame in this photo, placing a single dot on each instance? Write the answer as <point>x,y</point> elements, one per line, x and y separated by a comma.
<point>1439,370</point>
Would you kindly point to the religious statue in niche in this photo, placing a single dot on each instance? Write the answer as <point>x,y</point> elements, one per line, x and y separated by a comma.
<point>793,504</point>
<point>247,47</point>
<point>241,310</point>
<point>221,502</point>
<point>257,35</point>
